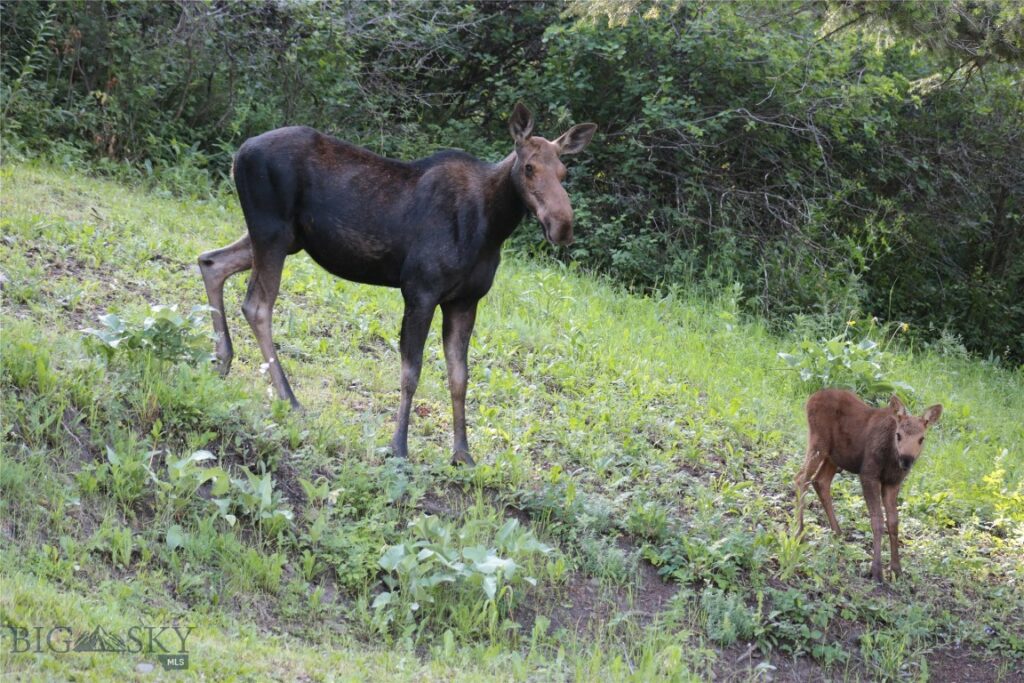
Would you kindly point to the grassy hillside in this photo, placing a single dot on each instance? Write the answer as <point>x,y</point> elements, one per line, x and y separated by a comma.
<point>630,518</point>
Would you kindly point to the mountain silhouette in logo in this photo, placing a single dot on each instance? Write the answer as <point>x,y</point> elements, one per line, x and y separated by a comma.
<point>100,640</point>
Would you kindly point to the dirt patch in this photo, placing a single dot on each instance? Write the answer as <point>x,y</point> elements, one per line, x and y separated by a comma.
<point>957,665</point>
<point>375,346</point>
<point>286,479</point>
<point>447,500</point>
<point>655,593</point>
<point>88,518</point>
<point>584,604</point>
<point>740,662</point>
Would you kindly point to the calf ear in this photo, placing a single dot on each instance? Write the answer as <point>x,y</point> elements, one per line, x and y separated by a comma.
<point>897,406</point>
<point>932,415</point>
<point>520,124</point>
<point>576,138</point>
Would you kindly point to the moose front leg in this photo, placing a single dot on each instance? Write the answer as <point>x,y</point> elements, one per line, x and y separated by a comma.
<point>457,330</point>
<point>892,525</point>
<point>415,326</point>
<point>873,497</point>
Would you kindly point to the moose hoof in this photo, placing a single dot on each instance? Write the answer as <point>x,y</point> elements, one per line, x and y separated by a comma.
<point>223,366</point>
<point>463,458</point>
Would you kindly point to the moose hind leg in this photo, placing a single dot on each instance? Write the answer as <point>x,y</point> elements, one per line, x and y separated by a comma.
<point>258,309</point>
<point>812,463</point>
<point>216,267</point>
<point>822,482</point>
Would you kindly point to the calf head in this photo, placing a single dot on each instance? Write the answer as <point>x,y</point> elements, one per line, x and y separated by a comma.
<point>538,172</point>
<point>910,431</point>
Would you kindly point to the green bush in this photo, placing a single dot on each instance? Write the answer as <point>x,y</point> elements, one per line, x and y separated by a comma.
<point>439,576</point>
<point>164,334</point>
<point>863,365</point>
<point>728,618</point>
<point>821,169</point>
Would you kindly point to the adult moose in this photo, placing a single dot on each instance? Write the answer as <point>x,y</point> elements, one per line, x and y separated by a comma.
<point>879,444</point>
<point>432,228</point>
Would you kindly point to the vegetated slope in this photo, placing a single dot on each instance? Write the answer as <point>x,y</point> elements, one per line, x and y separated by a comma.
<point>636,464</point>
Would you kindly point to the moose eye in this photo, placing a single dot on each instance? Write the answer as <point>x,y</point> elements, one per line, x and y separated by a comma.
<point>920,441</point>
<point>899,437</point>
<point>529,169</point>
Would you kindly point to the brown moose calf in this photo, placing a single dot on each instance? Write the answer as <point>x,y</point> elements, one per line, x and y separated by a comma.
<point>879,444</point>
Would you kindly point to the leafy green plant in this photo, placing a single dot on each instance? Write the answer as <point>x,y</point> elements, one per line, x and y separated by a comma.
<point>600,557</point>
<point>790,553</point>
<point>862,366</point>
<point>728,619</point>
<point>433,578</point>
<point>116,541</point>
<point>316,493</point>
<point>127,473</point>
<point>256,498</point>
<point>888,652</point>
<point>648,519</point>
<point>252,568</point>
<point>351,547</point>
<point>310,565</point>
<point>793,622</point>
<point>185,475</point>
<point>164,334</point>
<point>708,555</point>
<point>30,63</point>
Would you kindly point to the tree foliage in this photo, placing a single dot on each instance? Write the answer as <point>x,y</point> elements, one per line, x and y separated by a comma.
<point>830,157</point>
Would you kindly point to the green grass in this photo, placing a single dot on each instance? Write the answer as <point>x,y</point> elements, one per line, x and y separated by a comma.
<point>622,430</point>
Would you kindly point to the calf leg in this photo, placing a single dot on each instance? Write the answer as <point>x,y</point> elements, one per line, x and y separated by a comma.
<point>819,470</point>
<point>259,307</point>
<point>873,497</point>
<point>415,325</point>
<point>457,330</point>
<point>892,524</point>
<point>812,463</point>
<point>217,266</point>
<point>823,487</point>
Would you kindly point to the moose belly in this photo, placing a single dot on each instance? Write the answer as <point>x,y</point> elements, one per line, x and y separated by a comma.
<point>353,254</point>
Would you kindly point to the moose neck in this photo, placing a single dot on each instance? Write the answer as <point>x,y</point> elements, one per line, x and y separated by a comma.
<point>505,208</point>
<point>886,446</point>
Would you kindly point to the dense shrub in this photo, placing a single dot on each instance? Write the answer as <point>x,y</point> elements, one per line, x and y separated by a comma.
<point>812,152</point>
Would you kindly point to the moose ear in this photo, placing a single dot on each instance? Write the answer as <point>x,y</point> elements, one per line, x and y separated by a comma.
<point>932,415</point>
<point>520,124</point>
<point>576,138</point>
<point>898,409</point>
